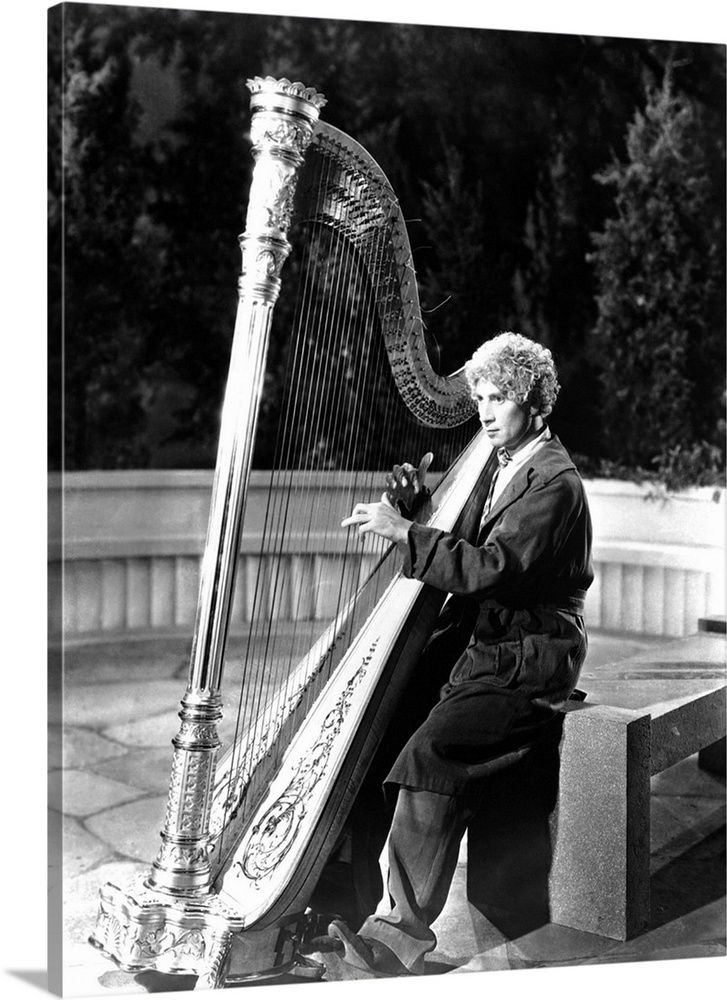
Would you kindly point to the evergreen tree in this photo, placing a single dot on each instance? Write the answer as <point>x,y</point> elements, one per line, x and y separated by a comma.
<point>659,265</point>
<point>454,291</point>
<point>100,245</point>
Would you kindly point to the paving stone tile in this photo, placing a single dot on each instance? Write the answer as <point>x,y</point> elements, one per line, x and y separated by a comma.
<point>606,649</point>
<point>495,959</point>
<point>147,768</point>
<point>132,829</point>
<point>689,891</point>
<point>149,731</point>
<point>78,748</point>
<point>697,949</point>
<point>131,659</point>
<point>81,793</point>
<point>554,943</point>
<point>698,650</point>
<point>99,706</point>
<point>700,924</point>
<point>81,852</point>
<point>677,824</point>
<point>135,672</point>
<point>674,943</point>
<point>688,778</point>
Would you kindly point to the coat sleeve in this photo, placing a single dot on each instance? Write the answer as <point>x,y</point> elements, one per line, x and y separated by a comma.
<point>522,545</point>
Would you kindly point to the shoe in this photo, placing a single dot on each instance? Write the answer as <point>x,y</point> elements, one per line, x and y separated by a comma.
<point>367,955</point>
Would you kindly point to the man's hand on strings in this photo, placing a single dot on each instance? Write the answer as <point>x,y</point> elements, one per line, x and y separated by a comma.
<point>380,518</point>
<point>406,490</point>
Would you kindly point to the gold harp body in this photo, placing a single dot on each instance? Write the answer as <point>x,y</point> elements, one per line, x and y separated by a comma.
<point>248,831</point>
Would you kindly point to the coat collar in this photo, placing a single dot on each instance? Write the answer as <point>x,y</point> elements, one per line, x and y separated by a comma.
<point>548,462</point>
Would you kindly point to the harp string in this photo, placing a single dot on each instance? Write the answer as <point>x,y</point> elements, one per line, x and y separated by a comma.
<point>335,347</point>
<point>260,626</point>
<point>308,440</point>
<point>336,411</point>
<point>260,649</point>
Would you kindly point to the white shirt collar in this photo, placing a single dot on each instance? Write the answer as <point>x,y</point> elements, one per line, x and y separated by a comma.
<point>522,455</point>
<point>518,459</point>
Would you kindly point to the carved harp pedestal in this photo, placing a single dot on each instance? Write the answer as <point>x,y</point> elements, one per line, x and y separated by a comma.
<point>248,832</point>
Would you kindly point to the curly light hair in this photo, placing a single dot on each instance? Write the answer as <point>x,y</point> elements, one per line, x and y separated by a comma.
<point>520,368</point>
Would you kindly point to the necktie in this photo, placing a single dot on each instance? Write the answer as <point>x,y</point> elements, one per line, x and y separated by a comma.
<point>503,457</point>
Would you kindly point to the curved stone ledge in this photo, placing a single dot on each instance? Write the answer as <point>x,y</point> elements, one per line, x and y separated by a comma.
<point>125,548</point>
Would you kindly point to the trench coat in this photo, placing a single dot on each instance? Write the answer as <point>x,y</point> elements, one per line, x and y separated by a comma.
<point>513,623</point>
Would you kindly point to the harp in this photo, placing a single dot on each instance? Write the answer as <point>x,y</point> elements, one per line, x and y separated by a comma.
<point>249,826</point>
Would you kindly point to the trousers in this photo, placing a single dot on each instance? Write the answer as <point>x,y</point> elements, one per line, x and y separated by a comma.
<point>423,848</point>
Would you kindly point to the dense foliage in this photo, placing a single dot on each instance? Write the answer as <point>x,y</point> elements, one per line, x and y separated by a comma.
<point>507,150</point>
<point>660,270</point>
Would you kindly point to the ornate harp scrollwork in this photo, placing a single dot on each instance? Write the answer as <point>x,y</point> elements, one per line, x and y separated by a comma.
<point>246,835</point>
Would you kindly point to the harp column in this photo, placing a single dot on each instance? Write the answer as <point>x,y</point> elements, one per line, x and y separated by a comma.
<point>284,115</point>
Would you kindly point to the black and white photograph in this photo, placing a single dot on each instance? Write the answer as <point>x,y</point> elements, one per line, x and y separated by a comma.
<point>381,469</point>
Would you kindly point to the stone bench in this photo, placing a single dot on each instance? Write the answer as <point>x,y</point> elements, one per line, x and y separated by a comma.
<point>630,728</point>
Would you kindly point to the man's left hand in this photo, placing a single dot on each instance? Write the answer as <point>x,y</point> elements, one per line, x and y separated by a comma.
<point>406,489</point>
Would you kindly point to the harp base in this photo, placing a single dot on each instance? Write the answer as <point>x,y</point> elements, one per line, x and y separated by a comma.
<point>143,930</point>
<point>258,955</point>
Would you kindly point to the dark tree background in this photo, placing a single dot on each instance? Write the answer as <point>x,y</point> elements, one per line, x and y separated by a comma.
<point>537,201</point>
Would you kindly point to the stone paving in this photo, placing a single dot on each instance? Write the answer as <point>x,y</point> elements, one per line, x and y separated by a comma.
<point>112,715</point>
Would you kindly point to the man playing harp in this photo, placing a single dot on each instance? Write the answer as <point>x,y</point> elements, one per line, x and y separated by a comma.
<point>520,588</point>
